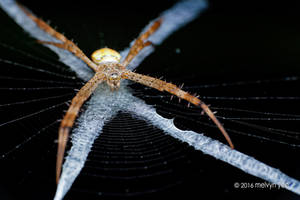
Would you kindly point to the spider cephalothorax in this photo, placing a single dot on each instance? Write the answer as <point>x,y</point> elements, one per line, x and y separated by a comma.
<point>108,60</point>
<point>112,74</point>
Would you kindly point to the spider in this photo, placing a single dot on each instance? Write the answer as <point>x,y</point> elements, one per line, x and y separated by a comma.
<point>107,65</point>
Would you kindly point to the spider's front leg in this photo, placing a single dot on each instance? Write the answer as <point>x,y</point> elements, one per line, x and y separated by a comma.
<point>173,89</point>
<point>70,116</point>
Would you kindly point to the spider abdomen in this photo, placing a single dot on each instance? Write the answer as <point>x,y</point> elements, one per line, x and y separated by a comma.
<point>106,55</point>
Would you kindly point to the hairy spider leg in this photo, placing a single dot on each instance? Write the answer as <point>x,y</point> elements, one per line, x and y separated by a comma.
<point>70,116</point>
<point>70,46</point>
<point>173,89</point>
<point>141,42</point>
<point>66,43</point>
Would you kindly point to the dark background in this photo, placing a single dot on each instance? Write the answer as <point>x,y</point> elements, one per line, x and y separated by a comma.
<point>232,41</point>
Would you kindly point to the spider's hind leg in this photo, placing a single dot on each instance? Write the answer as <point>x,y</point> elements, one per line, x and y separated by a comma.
<point>59,45</point>
<point>43,25</point>
<point>66,43</point>
<point>71,47</point>
<point>141,42</point>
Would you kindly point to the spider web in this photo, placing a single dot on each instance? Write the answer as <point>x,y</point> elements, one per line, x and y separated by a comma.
<point>136,159</point>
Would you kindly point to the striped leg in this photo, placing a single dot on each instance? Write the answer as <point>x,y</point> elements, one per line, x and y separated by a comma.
<point>173,89</point>
<point>66,43</point>
<point>70,116</point>
<point>141,42</point>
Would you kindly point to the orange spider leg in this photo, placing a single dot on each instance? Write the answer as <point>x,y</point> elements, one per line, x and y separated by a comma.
<point>83,94</point>
<point>67,44</point>
<point>141,42</point>
<point>43,25</point>
<point>70,46</point>
<point>70,116</point>
<point>173,89</point>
